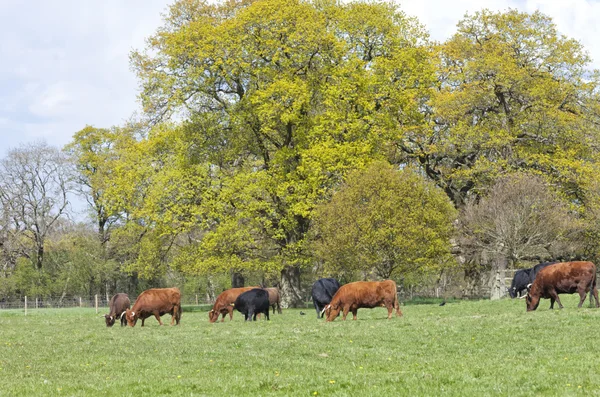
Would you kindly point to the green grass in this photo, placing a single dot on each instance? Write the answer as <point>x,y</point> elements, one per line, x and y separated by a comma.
<point>461,349</point>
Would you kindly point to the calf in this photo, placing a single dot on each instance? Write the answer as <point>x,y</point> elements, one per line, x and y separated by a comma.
<point>223,304</point>
<point>274,299</point>
<point>363,294</point>
<point>117,305</point>
<point>323,291</point>
<point>563,278</point>
<point>157,302</point>
<point>253,302</point>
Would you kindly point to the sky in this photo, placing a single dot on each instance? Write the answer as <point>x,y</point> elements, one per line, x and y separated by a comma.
<point>64,63</point>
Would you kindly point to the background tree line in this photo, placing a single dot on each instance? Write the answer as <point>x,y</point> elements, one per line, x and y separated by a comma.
<point>286,140</point>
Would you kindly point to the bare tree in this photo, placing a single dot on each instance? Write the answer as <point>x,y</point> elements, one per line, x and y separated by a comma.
<point>520,218</point>
<point>35,181</point>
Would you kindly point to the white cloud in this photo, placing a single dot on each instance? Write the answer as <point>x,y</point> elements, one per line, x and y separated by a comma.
<point>576,19</point>
<point>65,62</point>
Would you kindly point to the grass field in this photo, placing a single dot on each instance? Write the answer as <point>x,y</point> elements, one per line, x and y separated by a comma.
<point>461,349</point>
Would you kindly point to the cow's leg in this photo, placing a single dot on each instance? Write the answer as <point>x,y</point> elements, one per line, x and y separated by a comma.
<point>317,309</point>
<point>346,310</point>
<point>582,299</point>
<point>278,307</point>
<point>595,292</point>
<point>354,311</point>
<point>556,298</point>
<point>551,303</point>
<point>143,321</point>
<point>273,308</point>
<point>157,315</point>
<point>390,309</point>
<point>230,311</point>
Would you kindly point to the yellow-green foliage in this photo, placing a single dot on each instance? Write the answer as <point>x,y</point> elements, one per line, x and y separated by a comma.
<point>279,100</point>
<point>385,221</point>
<point>258,110</point>
<point>513,94</point>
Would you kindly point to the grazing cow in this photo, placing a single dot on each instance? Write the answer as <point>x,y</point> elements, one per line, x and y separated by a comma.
<point>274,299</point>
<point>363,294</point>
<point>563,278</point>
<point>117,305</point>
<point>520,282</point>
<point>223,303</point>
<point>157,302</point>
<point>323,291</point>
<point>253,302</point>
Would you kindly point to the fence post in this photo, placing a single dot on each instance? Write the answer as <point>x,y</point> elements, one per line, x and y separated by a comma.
<point>25,304</point>
<point>196,299</point>
<point>80,302</point>
<point>96,299</point>
<point>36,302</point>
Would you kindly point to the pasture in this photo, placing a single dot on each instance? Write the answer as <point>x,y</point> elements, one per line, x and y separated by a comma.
<point>462,348</point>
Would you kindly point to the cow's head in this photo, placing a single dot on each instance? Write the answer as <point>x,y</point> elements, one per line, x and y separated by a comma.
<point>131,317</point>
<point>532,302</point>
<point>213,316</point>
<point>512,292</point>
<point>110,320</point>
<point>331,311</point>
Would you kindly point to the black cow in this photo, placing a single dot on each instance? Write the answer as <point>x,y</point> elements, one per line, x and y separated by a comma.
<point>536,269</point>
<point>253,302</point>
<point>323,291</point>
<point>525,277</point>
<point>520,282</point>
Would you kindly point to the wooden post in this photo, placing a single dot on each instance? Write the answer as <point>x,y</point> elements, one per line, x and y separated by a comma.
<point>80,302</point>
<point>96,299</point>
<point>25,304</point>
<point>36,302</point>
<point>196,299</point>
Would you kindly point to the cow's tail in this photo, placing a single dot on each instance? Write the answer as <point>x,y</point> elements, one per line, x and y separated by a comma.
<point>396,304</point>
<point>592,288</point>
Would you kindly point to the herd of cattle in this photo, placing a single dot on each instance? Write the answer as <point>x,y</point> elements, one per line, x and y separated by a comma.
<point>546,280</point>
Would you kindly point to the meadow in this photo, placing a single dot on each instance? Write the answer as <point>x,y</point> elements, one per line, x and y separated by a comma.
<point>462,348</point>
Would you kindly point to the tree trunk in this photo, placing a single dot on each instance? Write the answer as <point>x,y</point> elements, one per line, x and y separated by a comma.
<point>237,279</point>
<point>498,289</point>
<point>291,293</point>
<point>40,256</point>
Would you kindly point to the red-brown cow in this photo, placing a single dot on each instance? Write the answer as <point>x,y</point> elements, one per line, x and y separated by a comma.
<point>117,305</point>
<point>274,299</point>
<point>224,302</point>
<point>157,302</point>
<point>563,278</point>
<point>363,294</point>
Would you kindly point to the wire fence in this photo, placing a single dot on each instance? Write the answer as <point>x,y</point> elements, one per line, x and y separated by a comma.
<point>99,302</point>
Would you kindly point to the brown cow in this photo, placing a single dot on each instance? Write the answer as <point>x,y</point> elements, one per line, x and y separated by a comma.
<point>157,302</point>
<point>563,278</point>
<point>363,294</point>
<point>117,305</point>
<point>224,302</point>
<point>274,299</point>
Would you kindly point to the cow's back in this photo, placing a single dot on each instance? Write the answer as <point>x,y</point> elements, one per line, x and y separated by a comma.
<point>163,299</point>
<point>365,293</point>
<point>118,303</point>
<point>563,276</point>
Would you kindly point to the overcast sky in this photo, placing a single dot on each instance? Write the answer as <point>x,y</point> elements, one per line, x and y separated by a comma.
<point>64,63</point>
